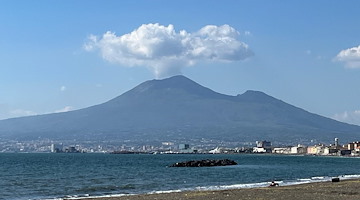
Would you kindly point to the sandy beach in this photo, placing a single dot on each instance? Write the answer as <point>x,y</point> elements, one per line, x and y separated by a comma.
<point>345,189</point>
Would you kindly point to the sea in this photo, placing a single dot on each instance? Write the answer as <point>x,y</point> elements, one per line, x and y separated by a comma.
<point>40,176</point>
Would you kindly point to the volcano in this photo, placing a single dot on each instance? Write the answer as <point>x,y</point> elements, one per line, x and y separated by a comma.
<point>179,108</point>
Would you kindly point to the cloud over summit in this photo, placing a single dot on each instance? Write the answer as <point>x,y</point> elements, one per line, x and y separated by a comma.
<point>350,56</point>
<point>166,51</point>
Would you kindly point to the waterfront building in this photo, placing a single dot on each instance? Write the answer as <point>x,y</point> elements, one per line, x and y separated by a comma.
<point>299,149</point>
<point>354,146</point>
<point>344,152</point>
<point>316,150</point>
<point>71,149</point>
<point>282,150</point>
<point>263,144</point>
<point>337,142</point>
<point>184,146</point>
<point>56,148</point>
<point>330,151</point>
<point>262,147</point>
<point>261,150</point>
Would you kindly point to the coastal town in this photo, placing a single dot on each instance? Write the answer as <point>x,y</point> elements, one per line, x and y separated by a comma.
<point>258,147</point>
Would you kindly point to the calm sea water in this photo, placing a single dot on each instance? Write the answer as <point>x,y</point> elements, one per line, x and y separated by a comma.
<point>56,176</point>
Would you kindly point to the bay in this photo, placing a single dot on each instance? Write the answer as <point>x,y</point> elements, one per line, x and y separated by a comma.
<point>56,176</point>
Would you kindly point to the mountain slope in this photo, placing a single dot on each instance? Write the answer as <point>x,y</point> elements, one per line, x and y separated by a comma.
<point>178,107</point>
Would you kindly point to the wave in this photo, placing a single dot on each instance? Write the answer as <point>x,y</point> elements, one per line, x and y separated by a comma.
<point>165,191</point>
<point>75,197</point>
<point>350,176</point>
<point>105,188</point>
<point>299,181</point>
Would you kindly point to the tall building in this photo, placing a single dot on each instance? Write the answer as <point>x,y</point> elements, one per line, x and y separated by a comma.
<point>184,146</point>
<point>56,148</point>
<point>263,144</point>
<point>336,142</point>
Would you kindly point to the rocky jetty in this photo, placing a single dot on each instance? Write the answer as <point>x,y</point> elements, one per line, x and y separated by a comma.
<point>204,163</point>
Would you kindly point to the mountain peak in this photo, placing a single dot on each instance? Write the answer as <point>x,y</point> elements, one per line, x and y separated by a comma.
<point>174,84</point>
<point>254,92</point>
<point>257,96</point>
<point>176,81</point>
<point>176,77</point>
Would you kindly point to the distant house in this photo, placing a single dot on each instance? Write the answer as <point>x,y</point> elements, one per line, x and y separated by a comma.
<point>357,149</point>
<point>185,148</point>
<point>71,149</point>
<point>331,151</point>
<point>262,147</point>
<point>354,147</point>
<point>261,150</point>
<point>263,144</point>
<point>344,152</point>
<point>316,150</point>
<point>218,150</point>
<point>298,150</point>
<point>282,150</point>
<point>311,150</point>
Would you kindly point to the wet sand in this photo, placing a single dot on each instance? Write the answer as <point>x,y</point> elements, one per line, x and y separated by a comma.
<point>345,189</point>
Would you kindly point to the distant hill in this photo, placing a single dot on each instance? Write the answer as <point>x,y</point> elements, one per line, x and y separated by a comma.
<point>179,108</point>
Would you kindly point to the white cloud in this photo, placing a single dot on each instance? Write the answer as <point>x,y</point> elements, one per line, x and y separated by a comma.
<point>62,88</point>
<point>21,113</point>
<point>65,109</point>
<point>351,117</point>
<point>7,111</point>
<point>166,51</point>
<point>351,57</point>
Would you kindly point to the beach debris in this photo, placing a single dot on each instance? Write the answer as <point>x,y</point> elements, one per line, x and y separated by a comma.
<point>204,163</point>
<point>273,184</point>
<point>335,180</point>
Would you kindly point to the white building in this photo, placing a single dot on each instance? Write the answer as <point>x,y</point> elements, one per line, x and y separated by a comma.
<point>260,150</point>
<point>281,150</point>
<point>217,150</point>
<point>298,150</point>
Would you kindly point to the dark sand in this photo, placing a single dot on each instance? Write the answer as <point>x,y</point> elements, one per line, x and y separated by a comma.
<point>349,190</point>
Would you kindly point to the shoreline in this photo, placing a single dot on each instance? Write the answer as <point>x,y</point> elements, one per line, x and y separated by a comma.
<point>345,189</point>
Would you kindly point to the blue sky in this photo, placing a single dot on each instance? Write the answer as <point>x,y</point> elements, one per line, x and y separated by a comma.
<point>54,55</point>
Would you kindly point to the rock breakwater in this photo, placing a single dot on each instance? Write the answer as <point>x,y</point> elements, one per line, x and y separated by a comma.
<point>204,163</point>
